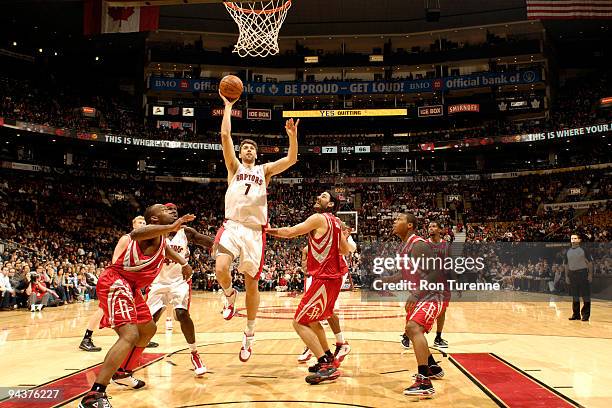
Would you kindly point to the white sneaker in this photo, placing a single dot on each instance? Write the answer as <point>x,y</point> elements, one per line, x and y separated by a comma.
<point>229,309</point>
<point>342,351</point>
<point>198,366</point>
<point>33,308</point>
<point>245,350</point>
<point>305,356</point>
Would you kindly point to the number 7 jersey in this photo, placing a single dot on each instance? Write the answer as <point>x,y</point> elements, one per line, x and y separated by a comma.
<point>246,198</point>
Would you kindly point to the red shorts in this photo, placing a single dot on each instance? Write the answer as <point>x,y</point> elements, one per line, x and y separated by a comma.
<point>318,302</point>
<point>121,302</point>
<point>426,311</point>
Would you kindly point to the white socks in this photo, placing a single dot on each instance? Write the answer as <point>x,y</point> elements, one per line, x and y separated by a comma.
<point>339,338</point>
<point>193,347</point>
<point>250,329</point>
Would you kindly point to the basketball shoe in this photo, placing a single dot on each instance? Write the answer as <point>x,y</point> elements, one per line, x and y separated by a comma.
<point>316,367</point>
<point>342,350</point>
<point>305,356</point>
<point>440,342</point>
<point>125,379</point>
<point>198,366</point>
<point>326,372</point>
<point>228,308</point>
<point>245,350</point>
<point>94,399</point>
<point>421,388</point>
<point>435,371</point>
<point>88,345</point>
<point>405,341</point>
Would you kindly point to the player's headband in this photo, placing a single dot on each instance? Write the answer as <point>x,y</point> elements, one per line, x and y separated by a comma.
<point>170,205</point>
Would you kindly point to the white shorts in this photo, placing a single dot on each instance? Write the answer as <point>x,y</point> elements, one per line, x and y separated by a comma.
<point>309,282</point>
<point>161,295</point>
<point>246,243</point>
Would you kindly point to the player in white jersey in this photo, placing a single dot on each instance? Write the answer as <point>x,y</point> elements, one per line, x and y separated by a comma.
<point>87,343</point>
<point>246,216</point>
<point>171,288</point>
<point>342,346</point>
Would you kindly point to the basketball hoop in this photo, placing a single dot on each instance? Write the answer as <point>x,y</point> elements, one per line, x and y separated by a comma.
<point>259,23</point>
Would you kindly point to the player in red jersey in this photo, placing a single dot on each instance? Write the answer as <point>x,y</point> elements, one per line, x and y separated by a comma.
<point>342,346</point>
<point>441,249</point>
<point>422,307</point>
<point>327,243</point>
<point>137,260</point>
<point>87,343</point>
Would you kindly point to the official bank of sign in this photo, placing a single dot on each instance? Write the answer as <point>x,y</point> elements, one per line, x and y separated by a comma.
<point>434,110</point>
<point>339,113</point>
<point>396,149</point>
<point>463,107</point>
<point>259,114</point>
<point>211,85</point>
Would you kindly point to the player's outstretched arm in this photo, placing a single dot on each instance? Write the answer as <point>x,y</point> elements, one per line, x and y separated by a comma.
<point>154,231</point>
<point>283,164</point>
<point>312,223</point>
<point>198,238</point>
<point>229,155</point>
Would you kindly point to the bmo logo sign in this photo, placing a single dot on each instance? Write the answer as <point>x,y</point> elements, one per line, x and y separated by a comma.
<point>165,84</point>
<point>184,85</point>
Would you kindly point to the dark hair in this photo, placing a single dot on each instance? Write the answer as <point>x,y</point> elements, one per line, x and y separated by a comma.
<point>576,233</point>
<point>410,218</point>
<point>333,198</point>
<point>438,223</point>
<point>151,211</point>
<point>248,141</point>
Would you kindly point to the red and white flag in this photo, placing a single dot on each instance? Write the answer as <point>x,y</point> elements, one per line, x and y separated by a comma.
<point>569,9</point>
<point>100,17</point>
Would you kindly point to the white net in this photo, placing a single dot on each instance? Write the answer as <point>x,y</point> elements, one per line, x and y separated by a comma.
<point>259,23</point>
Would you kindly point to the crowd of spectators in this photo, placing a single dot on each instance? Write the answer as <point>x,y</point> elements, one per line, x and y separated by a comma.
<point>58,231</point>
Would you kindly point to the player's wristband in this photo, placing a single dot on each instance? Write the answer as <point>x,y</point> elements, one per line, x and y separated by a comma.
<point>184,265</point>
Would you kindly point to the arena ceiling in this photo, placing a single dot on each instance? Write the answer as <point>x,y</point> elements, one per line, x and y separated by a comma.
<point>341,17</point>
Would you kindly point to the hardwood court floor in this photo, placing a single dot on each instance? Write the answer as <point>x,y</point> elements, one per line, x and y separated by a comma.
<point>532,332</point>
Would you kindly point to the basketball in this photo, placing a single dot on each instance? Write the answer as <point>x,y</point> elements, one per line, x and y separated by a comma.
<point>231,87</point>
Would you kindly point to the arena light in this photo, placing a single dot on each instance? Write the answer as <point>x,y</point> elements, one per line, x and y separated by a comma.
<point>311,60</point>
<point>14,43</point>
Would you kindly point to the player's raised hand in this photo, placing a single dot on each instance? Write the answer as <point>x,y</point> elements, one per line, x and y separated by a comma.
<point>226,101</point>
<point>182,220</point>
<point>291,127</point>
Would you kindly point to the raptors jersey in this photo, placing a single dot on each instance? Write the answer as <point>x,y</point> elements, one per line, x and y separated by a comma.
<point>324,259</point>
<point>139,269</point>
<point>246,199</point>
<point>171,271</point>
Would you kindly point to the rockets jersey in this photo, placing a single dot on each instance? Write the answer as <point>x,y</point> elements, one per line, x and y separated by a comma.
<point>139,269</point>
<point>172,272</point>
<point>406,249</point>
<point>440,249</point>
<point>324,259</point>
<point>246,198</point>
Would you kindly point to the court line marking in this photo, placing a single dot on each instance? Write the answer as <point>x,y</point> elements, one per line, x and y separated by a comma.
<point>275,401</point>
<point>482,387</point>
<point>257,376</point>
<point>548,387</point>
<point>396,371</point>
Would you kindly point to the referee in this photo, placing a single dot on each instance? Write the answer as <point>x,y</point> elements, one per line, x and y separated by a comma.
<point>578,265</point>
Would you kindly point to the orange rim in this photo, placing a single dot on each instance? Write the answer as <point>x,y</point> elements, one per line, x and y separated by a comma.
<point>233,6</point>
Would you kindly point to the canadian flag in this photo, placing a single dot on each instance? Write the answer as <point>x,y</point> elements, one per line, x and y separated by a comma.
<point>100,17</point>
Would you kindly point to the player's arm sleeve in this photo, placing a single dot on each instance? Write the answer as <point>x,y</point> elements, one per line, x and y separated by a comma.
<point>352,245</point>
